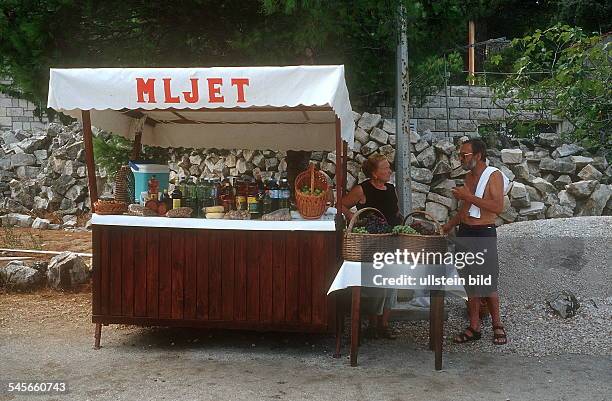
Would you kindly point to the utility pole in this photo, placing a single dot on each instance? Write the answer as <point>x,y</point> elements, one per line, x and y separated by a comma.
<point>472,52</point>
<point>402,116</point>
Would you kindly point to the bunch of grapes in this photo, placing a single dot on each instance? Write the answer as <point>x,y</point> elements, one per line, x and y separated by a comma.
<point>375,224</point>
<point>404,230</point>
<point>360,230</point>
<point>422,228</point>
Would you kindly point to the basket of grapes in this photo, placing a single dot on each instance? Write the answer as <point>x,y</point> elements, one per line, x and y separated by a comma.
<point>368,232</point>
<point>311,193</point>
<point>420,235</point>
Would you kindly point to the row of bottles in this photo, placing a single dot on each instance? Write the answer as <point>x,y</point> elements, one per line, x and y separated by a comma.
<point>255,196</point>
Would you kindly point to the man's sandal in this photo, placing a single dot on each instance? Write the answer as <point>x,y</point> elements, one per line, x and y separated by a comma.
<point>465,338</point>
<point>499,338</point>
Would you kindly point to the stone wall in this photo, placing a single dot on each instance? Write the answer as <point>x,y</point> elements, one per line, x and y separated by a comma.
<point>42,173</point>
<point>460,110</point>
<point>16,114</point>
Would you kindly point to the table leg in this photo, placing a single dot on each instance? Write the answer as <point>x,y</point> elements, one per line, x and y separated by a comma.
<point>355,312</point>
<point>97,335</point>
<point>437,305</point>
<point>339,330</point>
<point>431,321</point>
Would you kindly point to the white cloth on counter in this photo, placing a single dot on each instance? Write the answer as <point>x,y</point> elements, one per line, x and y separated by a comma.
<point>482,185</point>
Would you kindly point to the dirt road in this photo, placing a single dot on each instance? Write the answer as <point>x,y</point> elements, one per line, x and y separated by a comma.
<point>48,335</point>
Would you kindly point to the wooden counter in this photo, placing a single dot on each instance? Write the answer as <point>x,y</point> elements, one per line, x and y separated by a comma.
<point>274,280</point>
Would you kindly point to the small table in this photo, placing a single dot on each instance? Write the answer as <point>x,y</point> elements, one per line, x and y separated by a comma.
<point>350,275</point>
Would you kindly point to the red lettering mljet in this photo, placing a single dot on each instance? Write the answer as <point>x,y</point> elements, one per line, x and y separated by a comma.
<point>147,87</point>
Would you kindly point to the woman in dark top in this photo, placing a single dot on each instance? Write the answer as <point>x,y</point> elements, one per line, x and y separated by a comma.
<point>376,192</point>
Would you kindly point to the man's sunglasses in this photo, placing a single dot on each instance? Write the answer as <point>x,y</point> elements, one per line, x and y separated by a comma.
<point>464,155</point>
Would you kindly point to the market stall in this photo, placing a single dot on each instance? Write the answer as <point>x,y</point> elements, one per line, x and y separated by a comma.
<point>248,274</point>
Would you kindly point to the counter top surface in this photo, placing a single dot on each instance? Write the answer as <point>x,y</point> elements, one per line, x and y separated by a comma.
<point>326,223</point>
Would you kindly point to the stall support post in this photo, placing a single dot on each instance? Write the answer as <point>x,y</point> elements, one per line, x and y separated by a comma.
<point>339,170</point>
<point>89,157</point>
<point>344,162</point>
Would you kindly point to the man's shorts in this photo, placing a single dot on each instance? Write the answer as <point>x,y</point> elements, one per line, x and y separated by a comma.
<point>482,274</point>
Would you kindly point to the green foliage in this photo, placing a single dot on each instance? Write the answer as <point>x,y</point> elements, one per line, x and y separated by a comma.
<point>114,151</point>
<point>563,70</point>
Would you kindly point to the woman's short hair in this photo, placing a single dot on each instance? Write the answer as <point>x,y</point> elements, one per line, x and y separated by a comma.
<point>372,163</point>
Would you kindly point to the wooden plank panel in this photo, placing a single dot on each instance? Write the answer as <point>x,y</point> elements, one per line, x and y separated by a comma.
<point>240,275</point>
<point>104,271</point>
<point>140,272</point>
<point>178,266</point>
<point>292,279</point>
<point>227,279</point>
<point>317,267</point>
<point>115,271</point>
<point>305,278</point>
<point>165,274</point>
<point>265,276</point>
<point>252,276</point>
<point>127,272</point>
<point>190,300</point>
<point>153,272</point>
<point>215,293</point>
<point>278,277</point>
<point>96,238</point>
<point>202,274</point>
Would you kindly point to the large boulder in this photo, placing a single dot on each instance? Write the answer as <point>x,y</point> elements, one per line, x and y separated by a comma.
<point>542,185</point>
<point>512,156</point>
<point>16,275</point>
<point>369,121</point>
<point>421,175</point>
<point>533,209</point>
<point>427,158</point>
<point>567,150</point>
<point>595,205</point>
<point>589,173</point>
<point>22,159</point>
<point>559,211</point>
<point>41,224</point>
<point>561,166</point>
<point>581,189</point>
<point>549,139</point>
<point>566,199</point>
<point>562,181</point>
<point>379,135</point>
<point>439,212</point>
<point>17,219</point>
<point>444,146</point>
<point>67,270</point>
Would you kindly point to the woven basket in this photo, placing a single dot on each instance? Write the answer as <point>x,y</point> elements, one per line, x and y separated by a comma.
<point>122,193</point>
<point>311,206</point>
<point>418,242</point>
<point>110,207</point>
<point>361,247</point>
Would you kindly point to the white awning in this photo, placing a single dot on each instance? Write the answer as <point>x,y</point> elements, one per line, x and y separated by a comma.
<point>278,108</point>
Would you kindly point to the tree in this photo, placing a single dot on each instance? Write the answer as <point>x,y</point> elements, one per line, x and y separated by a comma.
<point>564,70</point>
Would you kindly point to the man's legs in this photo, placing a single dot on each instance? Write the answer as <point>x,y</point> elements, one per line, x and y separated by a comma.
<point>498,327</point>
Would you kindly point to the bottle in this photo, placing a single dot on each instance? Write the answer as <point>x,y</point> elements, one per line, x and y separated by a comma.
<point>193,196</point>
<point>166,200</point>
<point>266,204</point>
<point>284,194</point>
<point>227,196</point>
<point>215,193</point>
<point>253,201</point>
<point>241,195</point>
<point>177,197</point>
<point>274,194</point>
<point>153,186</point>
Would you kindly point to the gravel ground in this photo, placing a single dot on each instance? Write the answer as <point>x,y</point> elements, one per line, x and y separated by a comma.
<point>538,258</point>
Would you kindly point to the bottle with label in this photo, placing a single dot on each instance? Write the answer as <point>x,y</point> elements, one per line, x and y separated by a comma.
<point>193,195</point>
<point>166,200</point>
<point>153,186</point>
<point>227,196</point>
<point>284,194</point>
<point>274,192</point>
<point>241,195</point>
<point>177,197</point>
<point>253,201</point>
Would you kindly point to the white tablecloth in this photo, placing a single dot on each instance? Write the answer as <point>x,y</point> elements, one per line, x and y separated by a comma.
<point>350,275</point>
<point>325,223</point>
